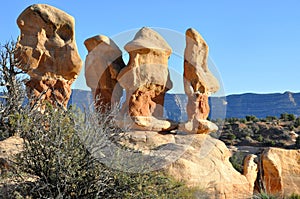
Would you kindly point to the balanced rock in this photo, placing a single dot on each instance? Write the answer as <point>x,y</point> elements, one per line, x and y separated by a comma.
<point>281,171</point>
<point>199,84</point>
<point>146,79</point>
<point>196,159</point>
<point>102,66</point>
<point>47,51</point>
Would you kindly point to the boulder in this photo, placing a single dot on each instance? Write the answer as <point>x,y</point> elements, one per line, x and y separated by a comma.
<point>199,82</point>
<point>102,66</point>
<point>146,77</point>
<point>47,51</point>
<point>281,171</point>
<point>197,159</point>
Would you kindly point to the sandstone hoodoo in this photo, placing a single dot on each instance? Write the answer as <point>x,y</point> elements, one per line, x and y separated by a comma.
<point>102,66</point>
<point>47,51</point>
<point>146,79</point>
<point>199,84</point>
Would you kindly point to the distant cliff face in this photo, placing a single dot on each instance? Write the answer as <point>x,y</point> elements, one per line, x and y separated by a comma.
<point>260,105</point>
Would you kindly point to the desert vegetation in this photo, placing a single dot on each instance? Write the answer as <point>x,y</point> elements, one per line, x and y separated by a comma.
<point>55,162</point>
<point>271,131</point>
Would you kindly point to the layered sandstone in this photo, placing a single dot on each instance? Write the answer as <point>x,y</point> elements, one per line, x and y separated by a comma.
<point>47,51</point>
<point>281,171</point>
<point>102,66</point>
<point>146,79</point>
<point>199,84</point>
<point>197,159</point>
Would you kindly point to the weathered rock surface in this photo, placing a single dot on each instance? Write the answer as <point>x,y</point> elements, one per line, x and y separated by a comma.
<point>11,146</point>
<point>146,123</point>
<point>199,82</point>
<point>250,169</point>
<point>102,66</point>
<point>47,51</point>
<point>146,77</point>
<point>281,168</point>
<point>198,126</point>
<point>198,159</point>
<point>8,148</point>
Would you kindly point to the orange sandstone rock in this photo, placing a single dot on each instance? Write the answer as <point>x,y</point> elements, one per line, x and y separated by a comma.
<point>47,51</point>
<point>199,84</point>
<point>102,66</point>
<point>146,78</point>
<point>281,171</point>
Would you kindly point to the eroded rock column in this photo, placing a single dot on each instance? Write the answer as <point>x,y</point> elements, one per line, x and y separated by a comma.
<point>199,84</point>
<point>146,80</point>
<point>47,51</point>
<point>102,66</point>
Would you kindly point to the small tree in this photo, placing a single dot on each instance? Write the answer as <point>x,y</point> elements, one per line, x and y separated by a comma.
<point>297,122</point>
<point>251,118</point>
<point>12,89</point>
<point>287,117</point>
<point>291,117</point>
<point>298,142</point>
<point>271,118</point>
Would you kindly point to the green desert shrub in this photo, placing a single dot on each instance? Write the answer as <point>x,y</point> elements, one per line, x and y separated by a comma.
<point>260,138</point>
<point>232,120</point>
<point>231,136</point>
<point>270,118</point>
<point>237,161</point>
<point>264,195</point>
<point>297,122</point>
<point>55,153</point>
<point>12,88</point>
<point>294,196</point>
<point>287,117</point>
<point>298,142</point>
<point>251,118</point>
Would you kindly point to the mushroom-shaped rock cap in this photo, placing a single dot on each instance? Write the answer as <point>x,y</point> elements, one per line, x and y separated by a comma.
<point>49,15</point>
<point>146,38</point>
<point>92,42</point>
<point>47,42</point>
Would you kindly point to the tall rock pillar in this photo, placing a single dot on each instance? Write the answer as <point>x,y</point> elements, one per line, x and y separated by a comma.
<point>146,79</point>
<point>199,84</point>
<point>47,51</point>
<point>102,66</point>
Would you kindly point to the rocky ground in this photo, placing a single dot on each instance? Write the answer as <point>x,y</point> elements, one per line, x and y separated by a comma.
<point>241,136</point>
<point>280,133</point>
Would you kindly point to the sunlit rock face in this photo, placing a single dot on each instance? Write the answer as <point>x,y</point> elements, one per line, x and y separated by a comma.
<point>281,171</point>
<point>146,79</point>
<point>198,160</point>
<point>102,66</point>
<point>199,84</point>
<point>47,51</point>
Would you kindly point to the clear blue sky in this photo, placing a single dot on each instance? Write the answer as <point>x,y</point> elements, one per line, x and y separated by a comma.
<point>255,44</point>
